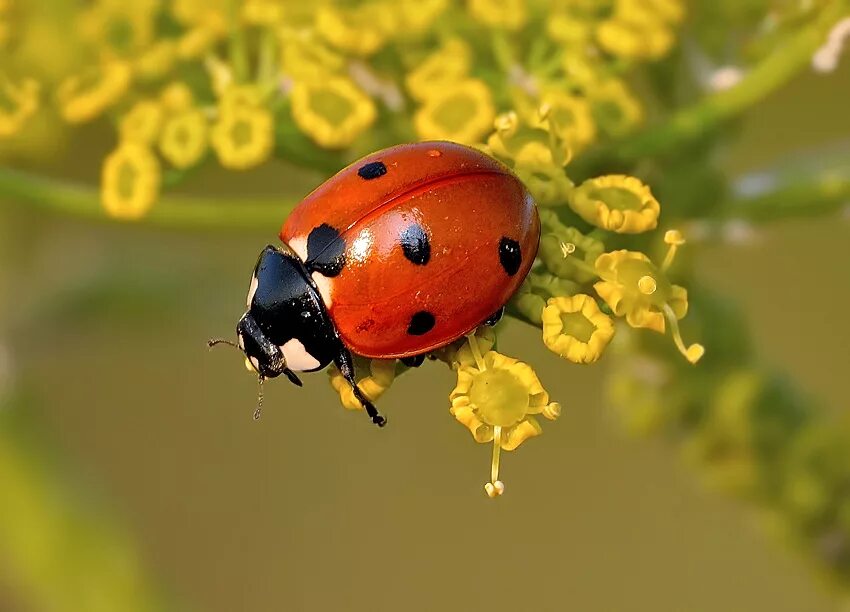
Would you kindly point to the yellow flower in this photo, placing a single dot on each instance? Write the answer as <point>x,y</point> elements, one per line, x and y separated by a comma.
<point>570,117</point>
<point>640,29</point>
<point>634,287</point>
<point>575,328</point>
<point>617,203</point>
<point>528,143</point>
<point>373,386</point>
<point>459,353</point>
<point>84,96</point>
<point>124,27</point>
<point>333,113</point>
<point>198,41</point>
<point>184,138</point>
<point>504,14</point>
<point>142,123</point>
<point>446,66</point>
<point>303,58</point>
<point>176,97</point>
<point>615,110</point>
<point>243,136</point>
<point>623,38</point>
<point>18,102</point>
<point>156,61</point>
<point>568,30</point>
<point>266,13</point>
<point>416,16</point>
<point>461,112</point>
<point>130,181</point>
<point>359,30</point>
<point>496,399</point>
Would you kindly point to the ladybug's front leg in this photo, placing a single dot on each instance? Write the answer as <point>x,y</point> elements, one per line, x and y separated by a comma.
<point>345,364</point>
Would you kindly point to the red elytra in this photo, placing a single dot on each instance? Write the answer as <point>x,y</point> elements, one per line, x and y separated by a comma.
<point>437,237</point>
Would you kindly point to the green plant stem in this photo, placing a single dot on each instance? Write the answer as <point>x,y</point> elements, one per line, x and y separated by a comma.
<point>176,211</point>
<point>764,78</point>
<point>822,193</point>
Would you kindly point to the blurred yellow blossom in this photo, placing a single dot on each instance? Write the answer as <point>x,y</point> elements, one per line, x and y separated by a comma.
<point>617,203</point>
<point>380,377</point>
<point>575,328</point>
<point>176,97</point>
<point>130,181</point>
<point>461,112</point>
<point>570,117</point>
<point>18,102</point>
<point>333,112</point>
<point>360,30</point>
<point>448,64</point>
<point>184,138</point>
<point>123,26</point>
<point>615,109</point>
<point>242,136</point>
<point>496,399</point>
<point>504,14</point>
<point>156,61</point>
<point>416,16</point>
<point>304,58</point>
<point>142,123</point>
<point>86,95</point>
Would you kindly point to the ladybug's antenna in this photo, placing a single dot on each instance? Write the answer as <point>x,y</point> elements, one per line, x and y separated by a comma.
<point>259,409</point>
<point>214,341</point>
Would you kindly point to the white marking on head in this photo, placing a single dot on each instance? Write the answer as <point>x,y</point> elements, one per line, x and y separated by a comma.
<point>255,362</point>
<point>325,286</point>
<point>252,289</point>
<point>299,245</point>
<point>297,357</point>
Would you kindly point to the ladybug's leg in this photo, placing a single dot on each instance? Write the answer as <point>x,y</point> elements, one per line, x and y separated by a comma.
<point>345,364</point>
<point>495,317</point>
<point>413,362</point>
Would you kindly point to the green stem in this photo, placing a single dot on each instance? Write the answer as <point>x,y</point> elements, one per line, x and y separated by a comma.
<point>811,196</point>
<point>764,78</point>
<point>238,50</point>
<point>186,212</point>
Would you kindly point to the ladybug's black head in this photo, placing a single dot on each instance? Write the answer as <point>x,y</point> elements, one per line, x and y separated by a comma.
<point>286,327</point>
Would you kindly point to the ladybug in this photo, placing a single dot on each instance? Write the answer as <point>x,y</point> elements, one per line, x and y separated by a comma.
<point>399,254</point>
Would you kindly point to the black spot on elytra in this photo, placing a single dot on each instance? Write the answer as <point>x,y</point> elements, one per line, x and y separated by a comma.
<point>415,244</point>
<point>372,170</point>
<point>325,251</point>
<point>509,255</point>
<point>421,323</point>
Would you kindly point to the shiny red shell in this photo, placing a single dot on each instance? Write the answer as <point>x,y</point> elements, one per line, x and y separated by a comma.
<point>474,219</point>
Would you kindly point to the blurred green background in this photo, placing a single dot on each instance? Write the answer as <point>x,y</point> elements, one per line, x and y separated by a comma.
<point>145,475</point>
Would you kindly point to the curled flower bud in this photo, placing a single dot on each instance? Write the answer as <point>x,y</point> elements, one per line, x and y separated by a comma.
<point>84,96</point>
<point>616,203</point>
<point>575,328</point>
<point>496,399</point>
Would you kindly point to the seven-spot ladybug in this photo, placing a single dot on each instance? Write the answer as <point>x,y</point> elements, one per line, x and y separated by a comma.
<point>399,254</point>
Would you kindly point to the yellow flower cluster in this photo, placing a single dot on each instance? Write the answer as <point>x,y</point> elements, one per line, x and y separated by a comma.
<point>18,103</point>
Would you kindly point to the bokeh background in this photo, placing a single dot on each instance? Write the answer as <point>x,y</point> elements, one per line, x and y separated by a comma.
<point>132,476</point>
